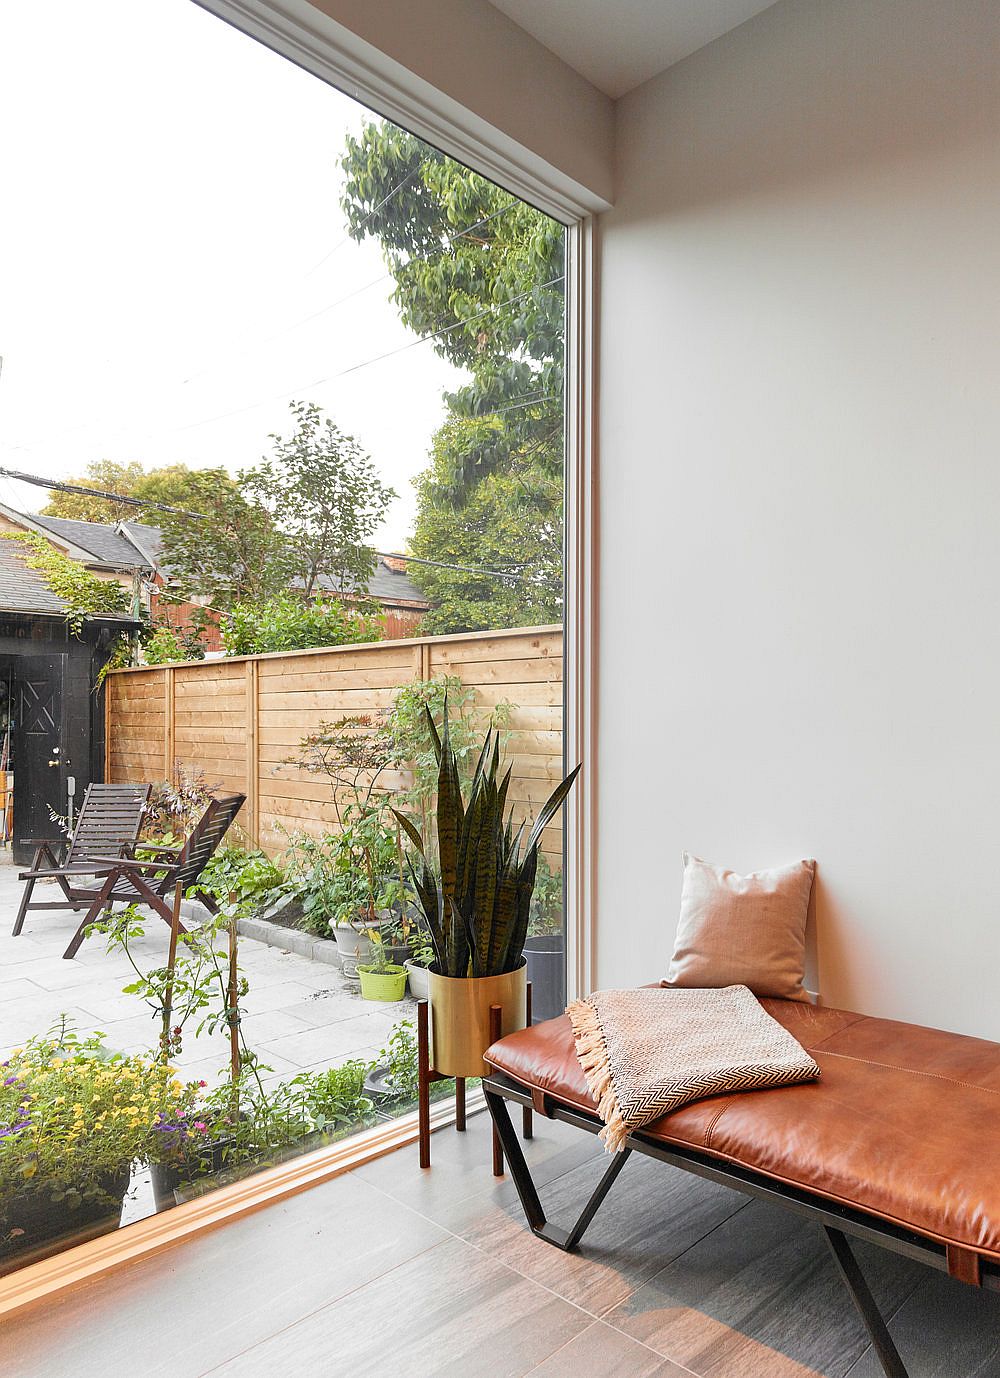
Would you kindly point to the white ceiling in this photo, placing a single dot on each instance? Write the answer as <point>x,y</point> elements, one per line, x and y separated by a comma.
<point>617,44</point>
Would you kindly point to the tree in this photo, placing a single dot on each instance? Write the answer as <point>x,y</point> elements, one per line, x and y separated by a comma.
<point>231,553</point>
<point>505,524</point>
<point>482,272</point>
<point>325,497</point>
<point>175,485</point>
<point>106,475</point>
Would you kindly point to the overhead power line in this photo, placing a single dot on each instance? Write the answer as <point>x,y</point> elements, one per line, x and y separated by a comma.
<point>357,291</point>
<point>439,334</point>
<point>373,212</point>
<point>479,570</point>
<point>94,493</point>
<point>365,363</point>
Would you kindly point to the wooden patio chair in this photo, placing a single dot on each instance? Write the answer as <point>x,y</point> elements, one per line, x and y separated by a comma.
<point>152,882</point>
<point>107,825</point>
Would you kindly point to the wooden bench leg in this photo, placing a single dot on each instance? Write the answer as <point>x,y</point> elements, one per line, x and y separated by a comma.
<point>423,1085</point>
<point>29,886</point>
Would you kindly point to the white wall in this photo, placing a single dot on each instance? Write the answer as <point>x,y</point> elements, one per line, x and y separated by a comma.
<point>800,414</point>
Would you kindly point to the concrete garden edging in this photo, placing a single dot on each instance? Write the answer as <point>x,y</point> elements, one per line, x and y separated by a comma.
<point>290,940</point>
<point>274,935</point>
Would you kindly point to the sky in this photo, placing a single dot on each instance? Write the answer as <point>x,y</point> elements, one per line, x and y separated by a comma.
<point>173,257</point>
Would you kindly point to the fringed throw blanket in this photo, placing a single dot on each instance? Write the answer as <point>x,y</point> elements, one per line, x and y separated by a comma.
<point>647,1052</point>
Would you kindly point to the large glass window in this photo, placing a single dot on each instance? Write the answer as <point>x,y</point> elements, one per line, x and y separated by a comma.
<point>285,387</point>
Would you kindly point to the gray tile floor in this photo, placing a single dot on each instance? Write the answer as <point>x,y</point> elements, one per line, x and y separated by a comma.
<point>299,1013</point>
<point>392,1271</point>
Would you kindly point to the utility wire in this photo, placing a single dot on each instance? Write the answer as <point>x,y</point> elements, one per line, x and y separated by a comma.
<point>438,334</point>
<point>374,211</point>
<point>471,569</point>
<point>349,296</point>
<point>318,382</point>
<point>162,507</point>
<point>94,493</point>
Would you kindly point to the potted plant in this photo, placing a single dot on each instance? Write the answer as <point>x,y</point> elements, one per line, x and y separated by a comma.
<point>545,945</point>
<point>360,860</point>
<point>476,902</point>
<point>74,1116</point>
<point>417,964</point>
<point>381,979</point>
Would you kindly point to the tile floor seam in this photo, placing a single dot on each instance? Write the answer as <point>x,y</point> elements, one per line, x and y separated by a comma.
<point>663,1358</point>
<point>308,1315</point>
<point>676,1259</point>
<point>869,1347</point>
<point>572,1339</point>
<point>528,1278</point>
<point>597,1316</point>
<point>416,1209</point>
<point>668,1358</point>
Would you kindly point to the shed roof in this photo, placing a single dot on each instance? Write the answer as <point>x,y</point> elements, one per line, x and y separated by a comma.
<point>23,589</point>
<point>105,542</point>
<point>387,585</point>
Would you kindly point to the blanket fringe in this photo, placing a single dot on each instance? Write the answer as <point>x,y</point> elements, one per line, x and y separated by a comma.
<point>593,1054</point>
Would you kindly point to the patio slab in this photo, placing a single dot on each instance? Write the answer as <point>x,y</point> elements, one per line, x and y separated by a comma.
<point>299,1012</point>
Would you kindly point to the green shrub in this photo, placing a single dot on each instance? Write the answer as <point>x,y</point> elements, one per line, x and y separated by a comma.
<point>246,879</point>
<point>290,623</point>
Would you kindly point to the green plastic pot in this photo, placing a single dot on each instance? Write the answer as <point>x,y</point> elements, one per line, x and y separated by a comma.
<point>387,984</point>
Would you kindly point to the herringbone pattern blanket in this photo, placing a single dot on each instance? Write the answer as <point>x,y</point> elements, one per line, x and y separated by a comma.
<point>647,1052</point>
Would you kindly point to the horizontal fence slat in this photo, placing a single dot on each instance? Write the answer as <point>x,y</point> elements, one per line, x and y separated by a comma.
<point>297,691</point>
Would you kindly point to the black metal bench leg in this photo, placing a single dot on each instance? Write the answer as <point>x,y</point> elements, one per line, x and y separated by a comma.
<point>545,1229</point>
<point>853,1279</point>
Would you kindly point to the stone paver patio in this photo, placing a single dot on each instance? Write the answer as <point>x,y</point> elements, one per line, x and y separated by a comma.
<point>299,1013</point>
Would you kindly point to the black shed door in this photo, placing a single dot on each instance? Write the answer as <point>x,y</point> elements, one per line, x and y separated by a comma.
<point>40,762</point>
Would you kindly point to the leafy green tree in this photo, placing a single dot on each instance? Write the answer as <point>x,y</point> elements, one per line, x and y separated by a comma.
<point>231,553</point>
<point>483,273</point>
<point>108,476</point>
<point>325,498</point>
<point>175,485</point>
<point>506,523</point>
<point>289,622</point>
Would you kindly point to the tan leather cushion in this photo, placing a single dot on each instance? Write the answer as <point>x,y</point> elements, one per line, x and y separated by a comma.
<point>903,1122</point>
<point>743,930</point>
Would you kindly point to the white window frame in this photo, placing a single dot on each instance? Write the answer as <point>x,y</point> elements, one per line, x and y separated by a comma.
<point>300,33</point>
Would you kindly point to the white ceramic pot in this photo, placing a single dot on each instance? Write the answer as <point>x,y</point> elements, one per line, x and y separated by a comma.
<point>420,986</point>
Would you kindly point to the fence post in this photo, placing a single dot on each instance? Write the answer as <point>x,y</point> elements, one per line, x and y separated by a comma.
<point>108,681</point>
<point>252,750</point>
<point>169,735</point>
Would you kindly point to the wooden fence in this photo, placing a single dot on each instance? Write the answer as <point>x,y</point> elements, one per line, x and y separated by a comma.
<point>240,720</point>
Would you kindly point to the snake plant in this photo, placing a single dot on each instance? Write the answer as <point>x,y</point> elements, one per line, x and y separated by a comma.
<point>476,899</point>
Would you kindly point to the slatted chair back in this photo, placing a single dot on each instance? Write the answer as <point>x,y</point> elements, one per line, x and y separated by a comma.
<point>208,832</point>
<point>109,821</point>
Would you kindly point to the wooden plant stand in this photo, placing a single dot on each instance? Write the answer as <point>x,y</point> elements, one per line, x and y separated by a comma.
<point>426,1075</point>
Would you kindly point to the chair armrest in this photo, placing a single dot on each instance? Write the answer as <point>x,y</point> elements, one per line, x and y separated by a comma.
<point>44,841</point>
<point>99,868</point>
<point>119,863</point>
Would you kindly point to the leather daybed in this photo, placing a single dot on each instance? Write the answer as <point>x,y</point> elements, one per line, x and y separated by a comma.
<point>897,1143</point>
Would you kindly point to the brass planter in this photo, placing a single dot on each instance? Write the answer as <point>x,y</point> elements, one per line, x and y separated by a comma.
<point>460,1017</point>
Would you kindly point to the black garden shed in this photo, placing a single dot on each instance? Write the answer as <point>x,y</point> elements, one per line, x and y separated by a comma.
<point>51,713</point>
